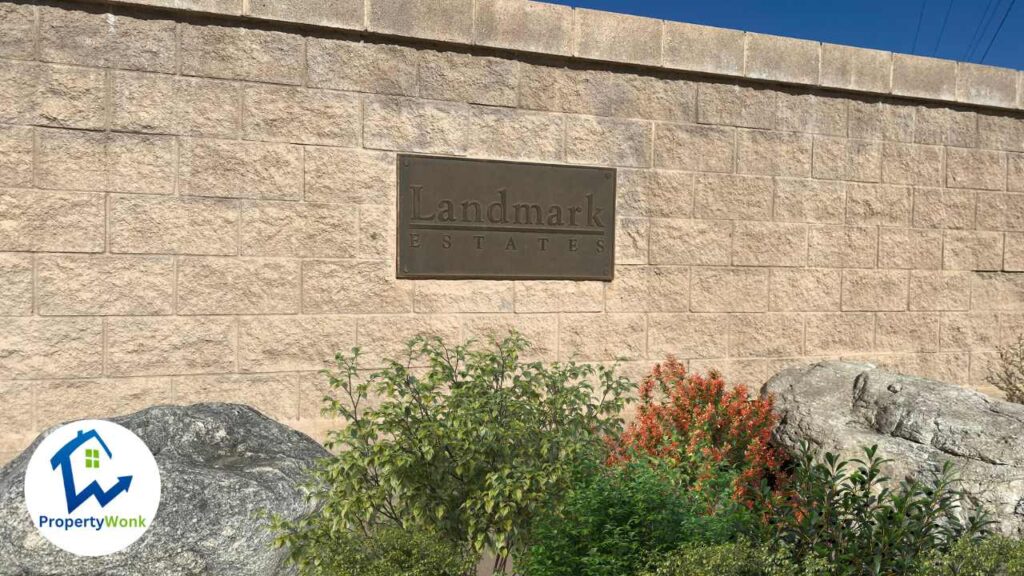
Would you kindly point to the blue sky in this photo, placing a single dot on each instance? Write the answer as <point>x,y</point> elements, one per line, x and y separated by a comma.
<point>885,24</point>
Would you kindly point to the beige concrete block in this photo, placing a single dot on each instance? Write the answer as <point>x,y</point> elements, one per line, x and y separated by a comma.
<point>171,225</point>
<point>142,102</point>
<point>283,343</point>
<point>812,114</point>
<point>632,240</point>
<point>873,120</point>
<point>1013,252</point>
<point>972,250</point>
<point>935,290</point>
<point>521,25</point>
<point>654,193</point>
<point>608,141</point>
<point>1011,327</point>
<point>939,125</point>
<point>951,368</point>
<point>922,77</point>
<point>384,338</point>
<point>729,196</point>
<point>734,105</point>
<point>276,395</point>
<point>909,248</point>
<point>98,398</point>
<point>415,125</point>
<point>88,285</point>
<point>241,53</point>
<point>996,291</point>
<point>285,114</point>
<point>782,59</point>
<point>19,414</point>
<point>140,164</point>
<point>170,345</point>
<point>907,332</point>
<point>1001,212</point>
<point>362,67</point>
<point>769,244</point>
<point>839,332</point>
<point>800,200</point>
<point>515,135</point>
<point>347,176</point>
<point>451,296</point>
<point>697,148</point>
<point>52,95</point>
<point>333,13</point>
<point>842,246</point>
<point>938,208</point>
<point>377,232</point>
<point>981,365</point>
<point>233,7</point>
<point>1015,173</point>
<point>685,242</point>
<point>649,289</point>
<point>69,35</point>
<point>468,78</point>
<point>446,20</point>
<point>857,69</point>
<point>51,221</point>
<point>986,85</point>
<point>703,49</point>
<point>606,93</point>
<point>969,331</point>
<point>357,287</point>
<point>766,335</point>
<point>15,284</point>
<point>729,290</point>
<point>558,296</point>
<point>15,155</point>
<point>301,230</point>
<point>843,159</point>
<point>210,285</point>
<point>878,204</point>
<point>233,169</point>
<point>614,37</point>
<point>688,335</point>
<point>19,24</point>
<point>73,159</point>
<point>979,169</point>
<point>804,290</point>
<point>540,330</point>
<point>1000,132</point>
<point>871,290</point>
<point>588,338</point>
<point>51,347</point>
<point>912,164</point>
<point>773,153</point>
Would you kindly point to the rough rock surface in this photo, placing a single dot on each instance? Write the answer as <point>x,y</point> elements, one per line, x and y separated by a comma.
<point>918,424</point>
<point>221,466</point>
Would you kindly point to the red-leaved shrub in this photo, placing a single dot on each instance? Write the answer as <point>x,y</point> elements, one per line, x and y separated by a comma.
<point>698,421</point>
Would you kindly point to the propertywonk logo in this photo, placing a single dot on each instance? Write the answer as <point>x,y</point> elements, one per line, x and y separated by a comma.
<point>92,488</point>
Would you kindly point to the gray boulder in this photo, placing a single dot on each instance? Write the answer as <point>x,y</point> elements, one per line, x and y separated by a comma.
<point>917,423</point>
<point>221,466</point>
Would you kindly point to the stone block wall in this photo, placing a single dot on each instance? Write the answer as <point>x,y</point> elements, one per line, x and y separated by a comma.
<point>197,197</point>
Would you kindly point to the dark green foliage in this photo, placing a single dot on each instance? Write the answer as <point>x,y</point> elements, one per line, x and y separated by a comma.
<point>471,447</point>
<point>994,556</point>
<point>618,519</point>
<point>840,511</point>
<point>735,559</point>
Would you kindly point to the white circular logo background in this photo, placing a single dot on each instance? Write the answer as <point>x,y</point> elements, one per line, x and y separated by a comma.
<point>92,487</point>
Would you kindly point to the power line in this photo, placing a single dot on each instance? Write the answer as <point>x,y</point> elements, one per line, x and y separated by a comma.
<point>942,31</point>
<point>978,31</point>
<point>921,17</point>
<point>998,30</point>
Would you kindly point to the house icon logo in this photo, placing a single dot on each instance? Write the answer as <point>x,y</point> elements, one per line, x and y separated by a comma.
<point>92,487</point>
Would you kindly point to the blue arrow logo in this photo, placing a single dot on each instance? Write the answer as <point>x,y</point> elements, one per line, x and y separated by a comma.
<point>74,498</point>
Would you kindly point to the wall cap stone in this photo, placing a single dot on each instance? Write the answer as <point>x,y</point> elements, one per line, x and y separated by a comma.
<point>597,36</point>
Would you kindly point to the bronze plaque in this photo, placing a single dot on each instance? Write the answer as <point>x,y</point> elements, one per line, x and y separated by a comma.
<point>461,218</point>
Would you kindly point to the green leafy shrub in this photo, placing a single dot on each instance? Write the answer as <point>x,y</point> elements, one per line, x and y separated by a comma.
<point>739,558</point>
<point>619,519</point>
<point>386,551</point>
<point>841,511</point>
<point>471,447</point>
<point>994,556</point>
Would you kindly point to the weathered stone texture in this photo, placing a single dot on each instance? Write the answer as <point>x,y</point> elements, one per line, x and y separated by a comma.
<point>15,284</point>
<point>448,20</point>
<point>339,13</point>
<point>349,176</point>
<point>409,125</point>
<point>51,347</point>
<point>782,59</point>
<point>729,290</point>
<point>464,78</point>
<point>875,290</point>
<point>688,147</point>
<point>773,153</point>
<point>172,345</point>
<point>703,48</point>
<point>242,54</point>
<point>855,68</point>
<point>51,221</point>
<point>453,296</point>
<point>299,229</point>
<point>52,95</point>
<point>277,113</point>
<point>616,336</point>
<point>105,285</point>
<point>923,77</point>
<point>213,285</point>
<point>531,26</point>
<point>516,135</point>
<point>160,103</point>
<point>617,37</point>
<point>684,242</point>
<point>608,141</point>
<point>16,156</point>
<point>353,287</point>
<point>233,169</point>
<point>73,36</point>
<point>283,343</point>
<point>361,66</point>
<point>171,225</point>
<point>19,24</point>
